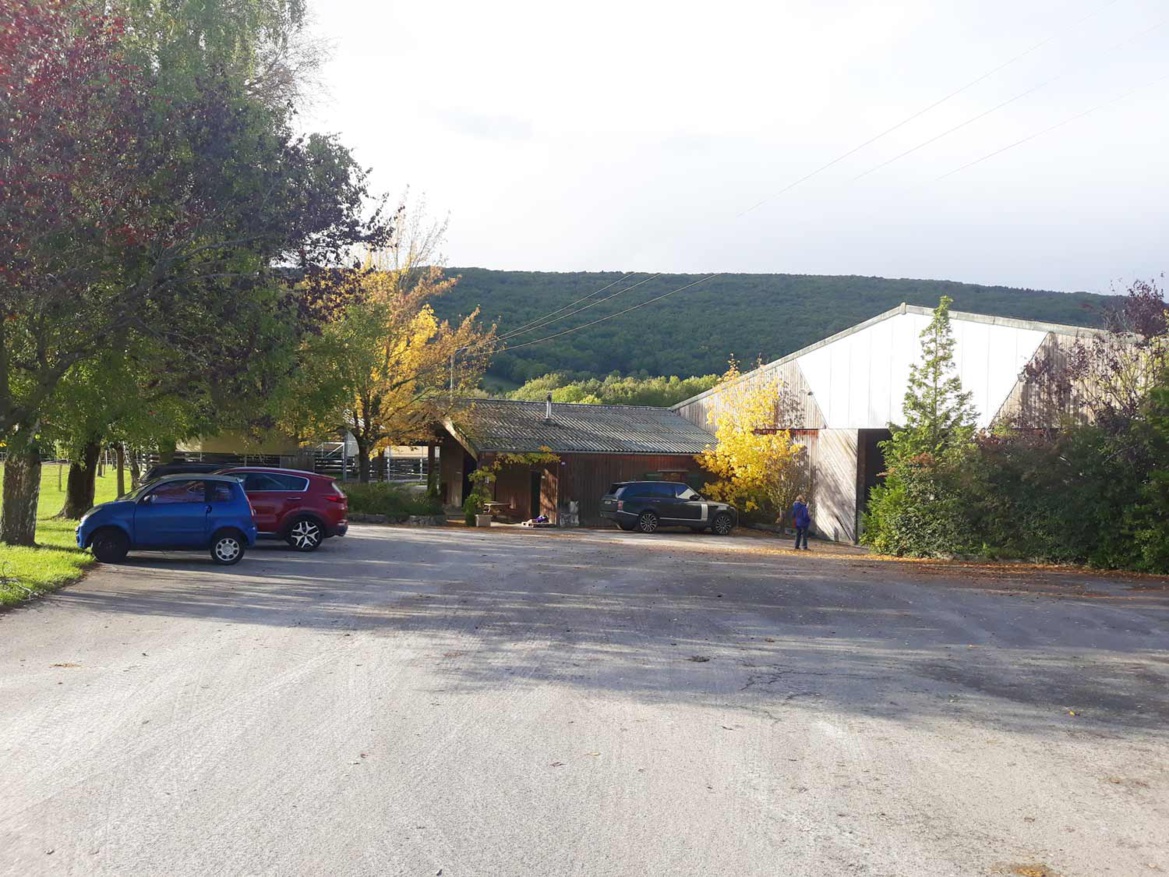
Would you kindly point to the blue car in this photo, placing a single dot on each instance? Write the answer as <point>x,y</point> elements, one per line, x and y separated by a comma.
<point>203,512</point>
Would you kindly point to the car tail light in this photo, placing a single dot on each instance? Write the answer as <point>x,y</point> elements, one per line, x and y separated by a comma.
<point>338,495</point>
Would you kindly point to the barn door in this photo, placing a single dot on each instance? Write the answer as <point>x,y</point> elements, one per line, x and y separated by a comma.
<point>534,494</point>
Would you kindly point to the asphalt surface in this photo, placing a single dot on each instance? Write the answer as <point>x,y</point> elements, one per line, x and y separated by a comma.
<point>462,702</point>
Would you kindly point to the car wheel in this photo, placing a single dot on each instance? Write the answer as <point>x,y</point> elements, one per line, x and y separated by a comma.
<point>227,548</point>
<point>722,524</point>
<point>647,522</point>
<point>110,546</point>
<point>305,534</point>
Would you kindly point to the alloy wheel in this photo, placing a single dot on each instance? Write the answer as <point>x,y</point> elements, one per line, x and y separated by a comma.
<point>305,535</point>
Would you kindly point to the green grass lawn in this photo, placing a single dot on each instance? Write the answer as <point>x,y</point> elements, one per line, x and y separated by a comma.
<point>57,561</point>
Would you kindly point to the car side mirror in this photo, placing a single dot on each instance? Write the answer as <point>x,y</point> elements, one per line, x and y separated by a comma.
<point>148,499</point>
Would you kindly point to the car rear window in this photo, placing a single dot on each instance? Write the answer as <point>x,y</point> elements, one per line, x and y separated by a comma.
<point>274,481</point>
<point>221,492</point>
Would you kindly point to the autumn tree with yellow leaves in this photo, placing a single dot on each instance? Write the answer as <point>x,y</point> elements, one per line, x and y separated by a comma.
<point>385,368</point>
<point>756,465</point>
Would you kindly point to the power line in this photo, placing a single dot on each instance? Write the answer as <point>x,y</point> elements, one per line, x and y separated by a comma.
<point>1066,121</point>
<point>559,314</point>
<point>611,316</point>
<point>523,326</point>
<point>551,318</point>
<point>922,112</point>
<point>998,107</point>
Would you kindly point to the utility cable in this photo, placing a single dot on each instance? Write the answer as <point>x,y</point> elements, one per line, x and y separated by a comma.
<point>611,316</point>
<point>550,318</point>
<point>998,107</point>
<point>922,112</point>
<point>1054,127</point>
<point>524,326</point>
<point>559,314</point>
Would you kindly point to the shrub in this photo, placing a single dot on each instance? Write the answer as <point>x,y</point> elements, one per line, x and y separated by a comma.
<point>396,503</point>
<point>921,511</point>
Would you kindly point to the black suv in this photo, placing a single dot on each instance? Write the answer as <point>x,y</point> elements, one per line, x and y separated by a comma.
<point>648,505</point>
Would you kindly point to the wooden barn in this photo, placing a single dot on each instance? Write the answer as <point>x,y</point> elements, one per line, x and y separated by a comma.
<point>597,445</point>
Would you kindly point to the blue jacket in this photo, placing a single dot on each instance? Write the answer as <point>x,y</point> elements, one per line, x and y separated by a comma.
<point>800,516</point>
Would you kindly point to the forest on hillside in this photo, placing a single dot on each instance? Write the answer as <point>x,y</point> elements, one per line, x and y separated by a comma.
<point>694,332</point>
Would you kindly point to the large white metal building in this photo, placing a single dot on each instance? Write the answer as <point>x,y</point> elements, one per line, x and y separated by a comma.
<point>841,394</point>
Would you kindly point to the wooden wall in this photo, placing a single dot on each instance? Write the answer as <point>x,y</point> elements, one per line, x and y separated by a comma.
<point>585,478</point>
<point>513,486</point>
<point>450,471</point>
<point>1035,403</point>
<point>571,491</point>
<point>834,456</point>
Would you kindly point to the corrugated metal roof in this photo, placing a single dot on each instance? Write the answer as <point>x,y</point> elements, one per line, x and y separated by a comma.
<point>507,426</point>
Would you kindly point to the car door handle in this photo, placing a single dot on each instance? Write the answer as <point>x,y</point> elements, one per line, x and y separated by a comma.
<point>208,508</point>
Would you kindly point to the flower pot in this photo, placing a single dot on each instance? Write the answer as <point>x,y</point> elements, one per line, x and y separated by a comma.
<point>482,520</point>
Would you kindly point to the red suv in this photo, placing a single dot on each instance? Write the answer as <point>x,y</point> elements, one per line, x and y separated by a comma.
<point>302,508</point>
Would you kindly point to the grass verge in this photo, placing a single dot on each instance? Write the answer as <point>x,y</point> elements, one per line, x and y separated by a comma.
<point>56,561</point>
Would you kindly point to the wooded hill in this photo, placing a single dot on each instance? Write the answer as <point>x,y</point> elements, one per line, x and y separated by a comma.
<point>694,332</point>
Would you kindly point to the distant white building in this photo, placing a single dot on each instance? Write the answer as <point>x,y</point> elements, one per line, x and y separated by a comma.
<point>851,386</point>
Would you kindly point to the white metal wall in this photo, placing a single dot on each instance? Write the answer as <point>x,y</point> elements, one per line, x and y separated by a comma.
<point>860,380</point>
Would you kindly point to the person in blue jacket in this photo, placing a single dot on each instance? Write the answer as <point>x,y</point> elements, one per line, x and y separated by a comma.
<point>802,521</point>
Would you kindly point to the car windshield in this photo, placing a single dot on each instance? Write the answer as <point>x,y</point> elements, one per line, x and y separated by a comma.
<point>137,492</point>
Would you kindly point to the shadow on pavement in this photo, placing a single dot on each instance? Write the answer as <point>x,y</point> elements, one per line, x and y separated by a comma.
<point>720,622</point>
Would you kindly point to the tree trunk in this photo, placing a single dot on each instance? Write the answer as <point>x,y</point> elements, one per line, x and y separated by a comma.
<point>362,462</point>
<point>135,469</point>
<point>22,490</point>
<point>79,489</point>
<point>120,453</point>
<point>431,474</point>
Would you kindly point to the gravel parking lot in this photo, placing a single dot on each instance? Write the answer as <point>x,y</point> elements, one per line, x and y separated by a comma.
<point>505,702</point>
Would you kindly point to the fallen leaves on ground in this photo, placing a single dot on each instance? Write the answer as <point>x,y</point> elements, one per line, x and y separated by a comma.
<point>1033,871</point>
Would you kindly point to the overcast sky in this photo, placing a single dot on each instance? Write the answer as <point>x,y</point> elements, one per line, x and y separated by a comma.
<point>634,135</point>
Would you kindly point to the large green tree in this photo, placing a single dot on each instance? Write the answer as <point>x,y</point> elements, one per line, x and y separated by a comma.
<point>143,219</point>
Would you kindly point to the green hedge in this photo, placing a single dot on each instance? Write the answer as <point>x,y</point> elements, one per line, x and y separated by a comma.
<point>396,503</point>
